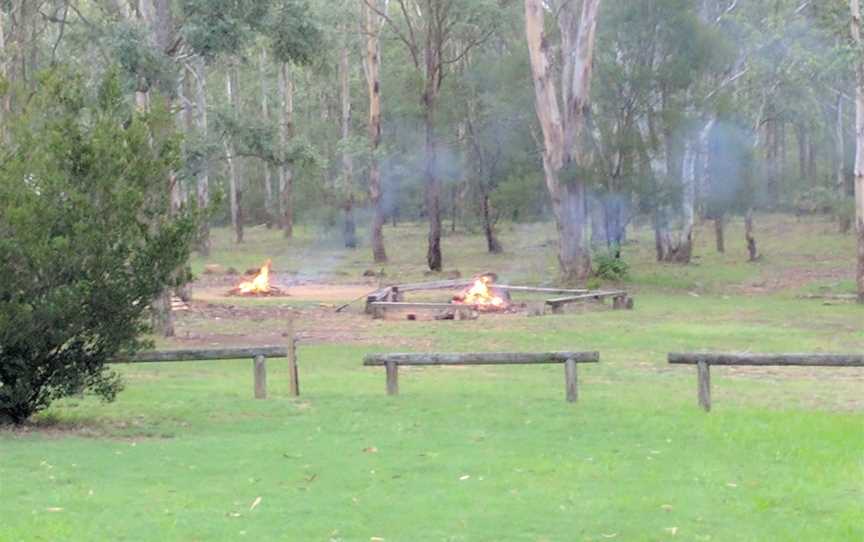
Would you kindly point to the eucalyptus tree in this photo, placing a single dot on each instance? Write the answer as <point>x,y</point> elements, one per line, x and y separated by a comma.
<point>565,151</point>
<point>855,8</point>
<point>371,29</point>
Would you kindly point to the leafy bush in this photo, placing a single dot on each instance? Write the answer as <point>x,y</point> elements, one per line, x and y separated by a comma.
<point>608,267</point>
<point>85,238</point>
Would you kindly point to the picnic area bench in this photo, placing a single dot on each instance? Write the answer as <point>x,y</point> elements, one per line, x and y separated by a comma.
<point>392,362</point>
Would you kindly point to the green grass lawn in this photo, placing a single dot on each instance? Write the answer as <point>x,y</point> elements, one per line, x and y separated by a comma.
<point>482,453</point>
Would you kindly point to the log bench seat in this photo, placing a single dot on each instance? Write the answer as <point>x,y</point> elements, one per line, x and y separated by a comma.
<point>620,299</point>
<point>392,362</point>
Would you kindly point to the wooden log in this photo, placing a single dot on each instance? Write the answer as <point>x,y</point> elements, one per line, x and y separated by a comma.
<point>342,307</point>
<point>480,358</point>
<point>293,373</point>
<point>410,305</point>
<point>204,354</point>
<point>570,381</point>
<point>392,378</point>
<point>582,297</point>
<point>704,385</point>
<point>435,285</point>
<point>260,372</point>
<point>796,359</point>
<point>539,289</point>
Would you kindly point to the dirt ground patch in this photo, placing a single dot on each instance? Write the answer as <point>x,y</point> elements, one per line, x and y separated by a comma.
<point>214,318</point>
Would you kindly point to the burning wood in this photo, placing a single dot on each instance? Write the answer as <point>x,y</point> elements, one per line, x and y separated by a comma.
<point>259,285</point>
<point>483,295</point>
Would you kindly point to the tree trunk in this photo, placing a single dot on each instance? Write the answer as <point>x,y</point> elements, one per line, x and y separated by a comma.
<point>771,176</point>
<point>349,231</point>
<point>562,145</point>
<point>156,15</point>
<point>371,21</point>
<point>596,214</point>
<point>492,243</point>
<point>844,221</point>
<point>4,75</point>
<point>202,181</point>
<point>614,223</point>
<point>286,130</point>
<point>265,117</point>
<point>855,7</point>
<point>235,189</point>
<point>749,236</point>
<point>688,199</point>
<point>432,183</point>
<point>719,224</point>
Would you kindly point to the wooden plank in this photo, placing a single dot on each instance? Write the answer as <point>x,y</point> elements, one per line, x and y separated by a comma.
<point>570,381</point>
<point>704,385</point>
<point>392,378</point>
<point>795,359</point>
<point>293,373</point>
<point>409,305</point>
<point>434,285</point>
<point>539,289</point>
<point>480,358</point>
<point>582,297</point>
<point>205,354</point>
<point>260,372</point>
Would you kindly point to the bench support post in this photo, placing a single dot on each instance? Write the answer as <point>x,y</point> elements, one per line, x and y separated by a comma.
<point>293,374</point>
<point>392,378</point>
<point>704,376</point>
<point>260,372</point>
<point>570,380</point>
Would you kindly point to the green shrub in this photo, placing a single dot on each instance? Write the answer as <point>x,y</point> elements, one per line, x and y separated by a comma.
<point>85,238</point>
<point>608,267</point>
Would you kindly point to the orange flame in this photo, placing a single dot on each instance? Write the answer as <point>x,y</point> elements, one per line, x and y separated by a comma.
<point>258,285</point>
<point>480,294</point>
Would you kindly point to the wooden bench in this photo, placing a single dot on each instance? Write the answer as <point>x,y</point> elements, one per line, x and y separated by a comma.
<point>620,299</point>
<point>392,362</point>
<point>704,361</point>
<point>259,355</point>
<point>461,312</point>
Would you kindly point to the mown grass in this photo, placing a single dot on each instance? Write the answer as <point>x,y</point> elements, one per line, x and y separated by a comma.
<point>479,453</point>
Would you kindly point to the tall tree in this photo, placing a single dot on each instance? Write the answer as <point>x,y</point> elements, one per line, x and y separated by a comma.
<point>349,230</point>
<point>564,149</point>
<point>372,69</point>
<point>286,131</point>
<point>235,187</point>
<point>265,116</point>
<point>202,177</point>
<point>855,7</point>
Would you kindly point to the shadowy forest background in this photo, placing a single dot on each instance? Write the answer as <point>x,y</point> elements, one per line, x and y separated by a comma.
<point>355,115</point>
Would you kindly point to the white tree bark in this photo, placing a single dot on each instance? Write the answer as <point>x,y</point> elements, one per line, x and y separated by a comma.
<point>265,116</point>
<point>286,129</point>
<point>349,233</point>
<point>562,131</point>
<point>372,63</point>
<point>202,181</point>
<point>235,190</point>
<point>855,7</point>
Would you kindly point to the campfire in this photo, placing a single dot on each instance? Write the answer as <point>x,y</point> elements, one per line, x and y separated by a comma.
<point>483,295</point>
<point>258,285</point>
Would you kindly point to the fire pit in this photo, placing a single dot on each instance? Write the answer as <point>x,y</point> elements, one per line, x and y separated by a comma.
<point>481,294</point>
<point>259,285</point>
